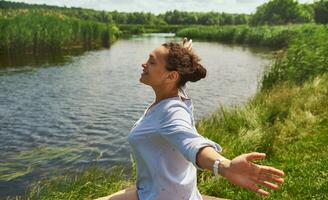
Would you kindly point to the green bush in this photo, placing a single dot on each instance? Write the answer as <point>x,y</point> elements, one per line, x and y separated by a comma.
<point>306,57</point>
<point>279,12</point>
<point>321,12</point>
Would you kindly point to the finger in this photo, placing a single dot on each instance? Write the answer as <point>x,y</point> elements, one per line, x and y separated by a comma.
<point>258,190</point>
<point>267,184</point>
<point>255,156</point>
<point>271,170</point>
<point>190,44</point>
<point>184,41</point>
<point>271,178</point>
<point>190,47</point>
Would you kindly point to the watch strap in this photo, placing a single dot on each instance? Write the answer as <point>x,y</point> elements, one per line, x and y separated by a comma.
<point>216,166</point>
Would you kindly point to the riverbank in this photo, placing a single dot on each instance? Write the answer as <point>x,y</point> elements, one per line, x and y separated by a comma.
<point>30,32</point>
<point>287,119</point>
<point>267,36</point>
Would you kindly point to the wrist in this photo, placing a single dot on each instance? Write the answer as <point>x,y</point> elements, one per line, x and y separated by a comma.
<point>224,167</point>
<point>220,166</point>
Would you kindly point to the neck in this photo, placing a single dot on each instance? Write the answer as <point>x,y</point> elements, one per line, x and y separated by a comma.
<point>164,93</point>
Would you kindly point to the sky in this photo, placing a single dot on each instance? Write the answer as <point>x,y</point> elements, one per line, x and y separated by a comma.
<point>160,6</point>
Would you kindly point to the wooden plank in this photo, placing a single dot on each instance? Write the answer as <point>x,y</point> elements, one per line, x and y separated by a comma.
<point>205,197</point>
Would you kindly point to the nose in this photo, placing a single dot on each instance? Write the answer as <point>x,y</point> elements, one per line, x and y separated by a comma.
<point>144,65</point>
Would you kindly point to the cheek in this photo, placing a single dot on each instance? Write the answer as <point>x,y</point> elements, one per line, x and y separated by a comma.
<point>153,78</point>
<point>157,78</point>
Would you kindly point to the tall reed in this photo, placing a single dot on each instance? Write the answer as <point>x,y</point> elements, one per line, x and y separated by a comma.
<point>35,33</point>
<point>268,36</point>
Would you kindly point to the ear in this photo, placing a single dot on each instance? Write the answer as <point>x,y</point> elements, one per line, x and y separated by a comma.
<point>173,76</point>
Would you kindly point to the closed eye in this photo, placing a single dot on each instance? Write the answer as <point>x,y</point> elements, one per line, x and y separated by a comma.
<point>151,61</point>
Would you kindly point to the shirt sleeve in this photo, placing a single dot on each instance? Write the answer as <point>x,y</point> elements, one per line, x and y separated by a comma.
<point>176,127</point>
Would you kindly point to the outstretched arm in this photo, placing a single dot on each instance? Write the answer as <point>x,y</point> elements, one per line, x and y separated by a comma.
<point>241,171</point>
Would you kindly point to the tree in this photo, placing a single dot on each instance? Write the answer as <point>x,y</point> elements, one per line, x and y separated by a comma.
<point>280,12</point>
<point>321,11</point>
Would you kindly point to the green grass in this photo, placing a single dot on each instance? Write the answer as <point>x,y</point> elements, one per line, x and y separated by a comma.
<point>268,36</point>
<point>88,184</point>
<point>50,32</point>
<point>290,124</point>
<point>305,58</point>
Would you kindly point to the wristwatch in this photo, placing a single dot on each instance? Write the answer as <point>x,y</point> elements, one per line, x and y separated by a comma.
<point>216,166</point>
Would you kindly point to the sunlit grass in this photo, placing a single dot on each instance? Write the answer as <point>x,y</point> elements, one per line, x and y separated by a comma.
<point>90,183</point>
<point>50,32</point>
<point>269,36</point>
<point>305,58</point>
<point>290,124</point>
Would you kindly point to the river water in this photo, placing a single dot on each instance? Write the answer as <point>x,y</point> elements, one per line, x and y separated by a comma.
<point>72,113</point>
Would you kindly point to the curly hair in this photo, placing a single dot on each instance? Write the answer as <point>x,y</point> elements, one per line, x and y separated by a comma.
<point>185,62</point>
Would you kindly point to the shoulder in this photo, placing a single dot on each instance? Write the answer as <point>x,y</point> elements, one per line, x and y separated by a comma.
<point>174,105</point>
<point>175,109</point>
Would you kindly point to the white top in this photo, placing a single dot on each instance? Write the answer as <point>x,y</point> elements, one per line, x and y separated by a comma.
<point>165,142</point>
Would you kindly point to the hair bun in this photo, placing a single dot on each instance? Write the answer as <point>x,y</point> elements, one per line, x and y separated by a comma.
<point>199,73</point>
<point>185,61</point>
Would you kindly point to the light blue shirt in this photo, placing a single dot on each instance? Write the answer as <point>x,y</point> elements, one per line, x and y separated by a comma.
<point>165,142</point>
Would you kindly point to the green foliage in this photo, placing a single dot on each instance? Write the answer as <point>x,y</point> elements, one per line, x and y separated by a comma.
<point>90,183</point>
<point>36,32</point>
<point>290,124</point>
<point>321,11</point>
<point>208,18</point>
<point>278,12</point>
<point>306,57</point>
<point>135,18</point>
<point>168,18</point>
<point>268,36</point>
<point>130,29</point>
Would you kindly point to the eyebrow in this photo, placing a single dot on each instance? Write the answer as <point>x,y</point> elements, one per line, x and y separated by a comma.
<point>152,56</point>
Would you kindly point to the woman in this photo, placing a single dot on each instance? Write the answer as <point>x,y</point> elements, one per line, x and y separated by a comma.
<point>165,143</point>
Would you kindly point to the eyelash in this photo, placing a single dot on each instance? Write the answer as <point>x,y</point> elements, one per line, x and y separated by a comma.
<point>151,62</point>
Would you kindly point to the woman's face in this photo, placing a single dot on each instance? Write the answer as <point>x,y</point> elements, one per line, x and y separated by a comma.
<point>154,72</point>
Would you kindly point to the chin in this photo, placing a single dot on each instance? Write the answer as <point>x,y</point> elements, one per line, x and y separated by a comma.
<point>141,80</point>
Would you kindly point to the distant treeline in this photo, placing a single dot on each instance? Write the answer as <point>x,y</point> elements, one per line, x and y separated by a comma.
<point>274,12</point>
<point>279,12</point>
<point>171,17</point>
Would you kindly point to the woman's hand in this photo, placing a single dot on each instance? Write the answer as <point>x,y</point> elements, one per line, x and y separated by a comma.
<point>241,171</point>
<point>187,44</point>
